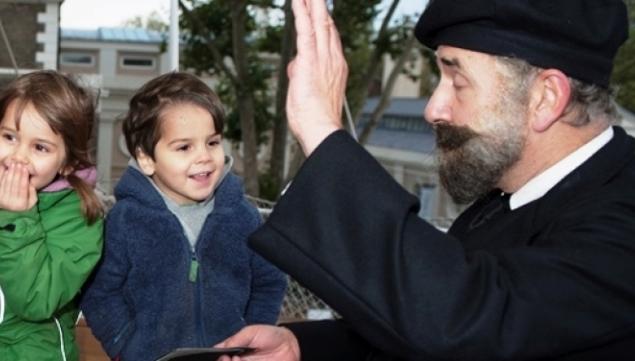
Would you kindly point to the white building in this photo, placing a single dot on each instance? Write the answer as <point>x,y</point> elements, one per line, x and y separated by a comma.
<point>116,62</point>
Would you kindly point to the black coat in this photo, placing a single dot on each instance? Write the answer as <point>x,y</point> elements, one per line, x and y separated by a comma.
<point>552,280</point>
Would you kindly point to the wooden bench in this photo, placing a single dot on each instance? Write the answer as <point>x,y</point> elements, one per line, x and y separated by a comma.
<point>89,348</point>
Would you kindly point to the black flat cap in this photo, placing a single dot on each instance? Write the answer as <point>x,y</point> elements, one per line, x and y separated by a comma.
<point>578,37</point>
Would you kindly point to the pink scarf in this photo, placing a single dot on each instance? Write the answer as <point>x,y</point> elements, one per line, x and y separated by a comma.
<point>88,175</point>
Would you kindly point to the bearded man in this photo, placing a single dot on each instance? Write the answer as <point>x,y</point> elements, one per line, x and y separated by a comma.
<point>541,266</point>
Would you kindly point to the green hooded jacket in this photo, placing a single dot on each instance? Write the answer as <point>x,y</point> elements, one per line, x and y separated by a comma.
<point>46,254</point>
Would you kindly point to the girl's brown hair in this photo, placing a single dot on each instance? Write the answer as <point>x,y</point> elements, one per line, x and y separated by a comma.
<point>70,111</point>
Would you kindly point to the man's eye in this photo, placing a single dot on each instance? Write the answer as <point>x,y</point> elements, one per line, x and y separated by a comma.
<point>459,81</point>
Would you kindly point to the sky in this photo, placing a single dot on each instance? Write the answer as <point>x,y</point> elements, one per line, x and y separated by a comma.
<point>91,14</point>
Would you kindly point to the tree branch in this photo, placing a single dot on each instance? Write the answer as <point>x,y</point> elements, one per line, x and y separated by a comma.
<point>209,43</point>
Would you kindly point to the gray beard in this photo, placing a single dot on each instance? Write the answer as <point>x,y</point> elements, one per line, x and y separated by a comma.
<point>472,164</point>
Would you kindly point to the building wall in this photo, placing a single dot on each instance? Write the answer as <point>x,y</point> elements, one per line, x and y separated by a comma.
<point>32,29</point>
<point>21,27</point>
<point>405,86</point>
<point>116,84</point>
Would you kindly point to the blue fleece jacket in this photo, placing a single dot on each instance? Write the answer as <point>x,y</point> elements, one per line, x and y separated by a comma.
<point>152,293</point>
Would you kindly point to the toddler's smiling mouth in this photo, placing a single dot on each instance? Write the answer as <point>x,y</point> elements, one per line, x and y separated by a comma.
<point>200,175</point>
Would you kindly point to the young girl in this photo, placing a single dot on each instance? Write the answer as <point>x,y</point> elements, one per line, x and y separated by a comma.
<point>50,218</point>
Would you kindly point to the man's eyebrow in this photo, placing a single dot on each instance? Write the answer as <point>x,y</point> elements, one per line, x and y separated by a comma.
<point>453,63</point>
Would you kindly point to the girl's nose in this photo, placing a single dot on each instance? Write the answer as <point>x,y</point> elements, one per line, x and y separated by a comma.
<point>19,156</point>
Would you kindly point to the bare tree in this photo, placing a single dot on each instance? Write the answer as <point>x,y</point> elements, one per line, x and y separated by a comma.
<point>235,69</point>
<point>386,93</point>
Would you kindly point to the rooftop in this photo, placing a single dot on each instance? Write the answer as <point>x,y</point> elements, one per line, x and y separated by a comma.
<point>402,126</point>
<point>116,34</point>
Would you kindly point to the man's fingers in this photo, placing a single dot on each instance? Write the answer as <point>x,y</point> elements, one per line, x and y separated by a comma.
<point>290,68</point>
<point>304,27</point>
<point>335,42</point>
<point>322,24</point>
<point>243,338</point>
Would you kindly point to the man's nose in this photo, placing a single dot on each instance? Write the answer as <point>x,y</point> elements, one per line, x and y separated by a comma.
<point>438,109</point>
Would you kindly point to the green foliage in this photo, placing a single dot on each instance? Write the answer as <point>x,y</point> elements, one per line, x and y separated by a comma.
<point>630,4</point>
<point>357,23</point>
<point>268,187</point>
<point>624,73</point>
<point>354,21</point>
<point>152,21</point>
<point>263,117</point>
<point>216,15</point>
<point>624,69</point>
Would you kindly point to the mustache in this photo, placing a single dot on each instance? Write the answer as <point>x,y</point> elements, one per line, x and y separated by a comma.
<point>450,137</point>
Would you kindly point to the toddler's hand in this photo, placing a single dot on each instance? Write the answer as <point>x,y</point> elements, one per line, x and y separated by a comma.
<point>16,192</point>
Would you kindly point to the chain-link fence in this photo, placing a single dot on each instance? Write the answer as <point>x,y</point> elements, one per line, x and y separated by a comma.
<point>299,303</point>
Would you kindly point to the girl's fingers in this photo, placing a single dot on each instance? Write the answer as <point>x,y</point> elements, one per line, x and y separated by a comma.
<point>11,179</point>
<point>4,175</point>
<point>16,191</point>
<point>32,196</point>
<point>22,183</point>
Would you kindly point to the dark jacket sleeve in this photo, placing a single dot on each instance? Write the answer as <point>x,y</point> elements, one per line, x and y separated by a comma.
<point>333,340</point>
<point>103,303</point>
<point>268,285</point>
<point>347,231</point>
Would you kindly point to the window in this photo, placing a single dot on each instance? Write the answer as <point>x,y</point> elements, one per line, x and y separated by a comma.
<point>77,59</point>
<point>140,62</point>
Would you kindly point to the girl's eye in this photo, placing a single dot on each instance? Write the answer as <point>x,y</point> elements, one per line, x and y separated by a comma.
<point>213,143</point>
<point>41,148</point>
<point>183,148</point>
<point>8,136</point>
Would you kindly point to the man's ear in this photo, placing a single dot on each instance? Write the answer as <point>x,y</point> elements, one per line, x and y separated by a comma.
<point>550,95</point>
<point>146,163</point>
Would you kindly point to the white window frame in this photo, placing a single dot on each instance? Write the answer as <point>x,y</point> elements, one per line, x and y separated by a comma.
<point>93,59</point>
<point>152,58</point>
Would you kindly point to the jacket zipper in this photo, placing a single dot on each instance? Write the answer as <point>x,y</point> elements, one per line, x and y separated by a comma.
<point>59,329</point>
<point>193,276</point>
<point>1,306</point>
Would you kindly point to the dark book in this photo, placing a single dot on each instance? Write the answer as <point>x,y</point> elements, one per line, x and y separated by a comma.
<point>202,354</point>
